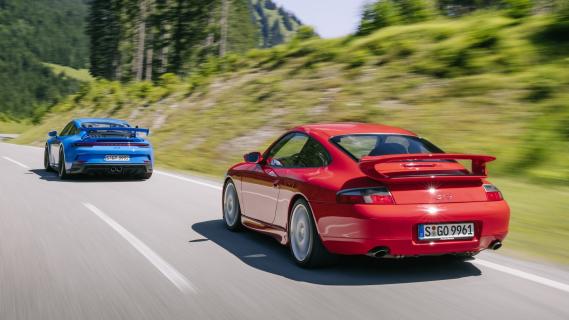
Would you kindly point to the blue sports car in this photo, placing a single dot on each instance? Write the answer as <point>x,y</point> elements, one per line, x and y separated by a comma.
<point>99,146</point>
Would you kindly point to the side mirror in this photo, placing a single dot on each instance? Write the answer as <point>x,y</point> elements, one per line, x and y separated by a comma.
<point>52,134</point>
<point>253,157</point>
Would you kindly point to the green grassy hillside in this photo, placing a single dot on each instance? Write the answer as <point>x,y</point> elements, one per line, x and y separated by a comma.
<point>481,84</point>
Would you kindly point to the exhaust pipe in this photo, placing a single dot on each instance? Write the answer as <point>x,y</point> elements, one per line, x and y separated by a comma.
<point>115,170</point>
<point>496,245</point>
<point>378,252</point>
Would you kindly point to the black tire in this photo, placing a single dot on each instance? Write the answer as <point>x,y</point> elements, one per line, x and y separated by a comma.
<point>63,175</point>
<point>316,254</point>
<point>145,176</point>
<point>46,164</point>
<point>231,207</point>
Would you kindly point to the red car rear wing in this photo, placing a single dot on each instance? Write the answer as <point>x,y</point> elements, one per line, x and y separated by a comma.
<point>417,167</point>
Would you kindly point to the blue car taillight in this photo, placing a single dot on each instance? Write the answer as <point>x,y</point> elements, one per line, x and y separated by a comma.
<point>111,144</point>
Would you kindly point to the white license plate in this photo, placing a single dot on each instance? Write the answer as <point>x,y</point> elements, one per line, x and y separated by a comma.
<point>447,231</point>
<point>117,158</point>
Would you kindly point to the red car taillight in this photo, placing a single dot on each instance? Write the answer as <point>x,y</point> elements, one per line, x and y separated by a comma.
<point>380,196</point>
<point>492,193</point>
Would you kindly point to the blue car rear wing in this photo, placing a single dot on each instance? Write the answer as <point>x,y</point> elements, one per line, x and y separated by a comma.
<point>133,130</point>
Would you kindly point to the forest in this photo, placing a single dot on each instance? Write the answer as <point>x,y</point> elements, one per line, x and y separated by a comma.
<point>144,39</point>
<point>34,32</point>
<point>121,39</point>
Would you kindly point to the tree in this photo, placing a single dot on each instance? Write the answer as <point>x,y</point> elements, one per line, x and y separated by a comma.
<point>276,36</point>
<point>286,20</point>
<point>104,30</point>
<point>413,11</point>
<point>384,13</point>
<point>455,8</point>
<point>138,63</point>
<point>244,32</point>
<point>379,15</point>
<point>225,4</point>
<point>270,5</point>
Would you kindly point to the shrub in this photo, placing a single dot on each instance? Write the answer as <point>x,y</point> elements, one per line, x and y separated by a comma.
<point>540,90</point>
<point>563,11</point>
<point>519,8</point>
<point>305,33</point>
<point>413,11</point>
<point>379,15</point>
<point>356,59</point>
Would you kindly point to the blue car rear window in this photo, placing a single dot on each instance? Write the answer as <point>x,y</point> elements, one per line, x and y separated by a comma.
<point>104,125</point>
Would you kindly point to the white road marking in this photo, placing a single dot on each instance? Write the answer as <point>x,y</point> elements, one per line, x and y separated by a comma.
<point>181,282</point>
<point>523,275</point>
<point>205,184</point>
<point>17,162</point>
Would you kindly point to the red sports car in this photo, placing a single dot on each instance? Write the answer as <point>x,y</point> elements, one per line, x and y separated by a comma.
<point>363,189</point>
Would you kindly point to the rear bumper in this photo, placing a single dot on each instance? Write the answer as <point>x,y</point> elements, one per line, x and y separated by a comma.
<point>111,168</point>
<point>92,160</point>
<point>358,229</point>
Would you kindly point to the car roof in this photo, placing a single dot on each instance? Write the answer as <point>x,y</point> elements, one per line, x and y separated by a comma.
<point>99,120</point>
<point>347,128</point>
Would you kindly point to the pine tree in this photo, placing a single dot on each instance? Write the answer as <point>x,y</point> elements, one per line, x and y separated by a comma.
<point>224,23</point>
<point>243,29</point>
<point>379,15</point>
<point>104,29</point>
<point>270,5</point>
<point>276,36</point>
<point>140,48</point>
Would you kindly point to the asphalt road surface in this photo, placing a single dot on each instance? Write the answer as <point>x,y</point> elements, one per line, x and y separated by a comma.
<point>157,249</point>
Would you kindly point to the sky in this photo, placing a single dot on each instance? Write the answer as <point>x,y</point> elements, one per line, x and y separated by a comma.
<point>331,18</point>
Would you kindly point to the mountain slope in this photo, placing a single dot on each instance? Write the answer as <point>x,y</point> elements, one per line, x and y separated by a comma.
<point>32,32</point>
<point>276,24</point>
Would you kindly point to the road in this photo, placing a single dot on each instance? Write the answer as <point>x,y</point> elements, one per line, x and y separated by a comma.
<point>157,249</point>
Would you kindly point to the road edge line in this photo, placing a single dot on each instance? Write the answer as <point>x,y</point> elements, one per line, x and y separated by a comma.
<point>179,280</point>
<point>524,275</point>
<point>175,176</point>
<point>16,162</point>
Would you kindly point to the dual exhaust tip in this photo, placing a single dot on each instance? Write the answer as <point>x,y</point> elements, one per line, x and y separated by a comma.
<point>115,170</point>
<point>381,252</point>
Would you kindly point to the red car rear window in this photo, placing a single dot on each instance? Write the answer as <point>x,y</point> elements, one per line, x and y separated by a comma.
<point>362,145</point>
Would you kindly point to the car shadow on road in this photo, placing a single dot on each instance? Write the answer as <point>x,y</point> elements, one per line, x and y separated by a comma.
<point>52,176</point>
<point>263,253</point>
